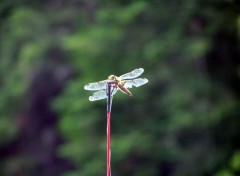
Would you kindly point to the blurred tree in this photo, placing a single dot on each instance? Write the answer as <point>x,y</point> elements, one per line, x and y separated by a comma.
<point>190,50</point>
<point>184,122</point>
<point>33,70</point>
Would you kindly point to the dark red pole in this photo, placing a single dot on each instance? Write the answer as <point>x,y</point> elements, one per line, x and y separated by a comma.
<point>109,102</point>
<point>108,144</point>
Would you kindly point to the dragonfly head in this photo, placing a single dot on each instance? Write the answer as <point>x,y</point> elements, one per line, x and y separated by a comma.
<point>112,77</point>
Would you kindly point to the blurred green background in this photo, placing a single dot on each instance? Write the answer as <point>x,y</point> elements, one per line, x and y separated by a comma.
<point>184,122</point>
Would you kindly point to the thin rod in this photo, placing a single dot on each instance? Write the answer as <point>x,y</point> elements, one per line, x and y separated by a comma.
<point>109,103</point>
<point>108,144</point>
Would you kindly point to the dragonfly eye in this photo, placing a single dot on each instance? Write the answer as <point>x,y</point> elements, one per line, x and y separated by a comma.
<point>111,77</point>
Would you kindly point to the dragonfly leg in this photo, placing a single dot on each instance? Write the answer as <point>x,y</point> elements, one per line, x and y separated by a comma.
<point>112,90</point>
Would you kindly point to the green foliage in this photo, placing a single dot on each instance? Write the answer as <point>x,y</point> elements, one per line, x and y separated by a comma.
<point>147,129</point>
<point>185,121</point>
<point>224,173</point>
<point>235,161</point>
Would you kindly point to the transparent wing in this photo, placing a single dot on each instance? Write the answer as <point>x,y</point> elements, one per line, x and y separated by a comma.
<point>135,82</point>
<point>101,94</point>
<point>133,74</point>
<point>96,85</point>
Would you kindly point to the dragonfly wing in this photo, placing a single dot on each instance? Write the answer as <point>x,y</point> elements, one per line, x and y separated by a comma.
<point>96,85</point>
<point>133,74</point>
<point>135,82</point>
<point>101,94</point>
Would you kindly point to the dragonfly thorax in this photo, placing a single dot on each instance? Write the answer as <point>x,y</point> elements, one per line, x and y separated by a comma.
<point>114,78</point>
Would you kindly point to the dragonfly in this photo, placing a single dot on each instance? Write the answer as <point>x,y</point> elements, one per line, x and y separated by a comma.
<point>122,83</point>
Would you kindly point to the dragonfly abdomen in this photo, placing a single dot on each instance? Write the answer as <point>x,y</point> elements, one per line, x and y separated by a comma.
<point>124,90</point>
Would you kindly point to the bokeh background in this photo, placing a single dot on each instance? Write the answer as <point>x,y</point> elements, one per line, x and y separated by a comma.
<point>184,122</point>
